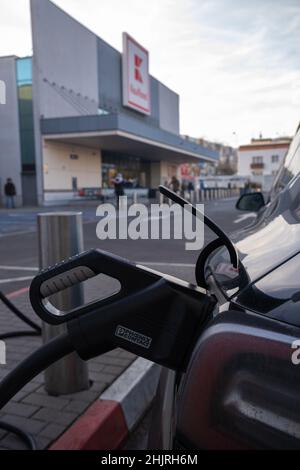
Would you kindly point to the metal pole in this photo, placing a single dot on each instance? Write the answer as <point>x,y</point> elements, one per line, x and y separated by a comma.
<point>60,237</point>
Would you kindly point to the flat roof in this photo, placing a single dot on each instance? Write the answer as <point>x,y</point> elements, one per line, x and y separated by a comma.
<point>125,134</point>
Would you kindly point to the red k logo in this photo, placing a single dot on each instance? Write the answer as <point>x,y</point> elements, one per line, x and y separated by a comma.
<point>137,65</point>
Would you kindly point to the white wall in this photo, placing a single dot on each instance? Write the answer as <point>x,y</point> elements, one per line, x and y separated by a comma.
<point>168,109</point>
<point>245,159</point>
<point>65,55</point>
<point>59,168</point>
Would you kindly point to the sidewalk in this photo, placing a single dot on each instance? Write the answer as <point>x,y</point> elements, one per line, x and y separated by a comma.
<point>32,409</point>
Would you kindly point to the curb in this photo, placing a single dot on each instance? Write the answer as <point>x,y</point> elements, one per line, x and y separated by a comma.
<point>108,422</point>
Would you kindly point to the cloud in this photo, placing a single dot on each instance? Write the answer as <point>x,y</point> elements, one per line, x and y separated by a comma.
<point>235,64</point>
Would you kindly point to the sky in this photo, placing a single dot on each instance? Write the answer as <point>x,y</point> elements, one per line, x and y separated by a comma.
<point>234,63</point>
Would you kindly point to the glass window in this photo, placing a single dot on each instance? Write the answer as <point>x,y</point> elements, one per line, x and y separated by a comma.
<point>24,83</point>
<point>275,158</point>
<point>24,71</point>
<point>135,171</point>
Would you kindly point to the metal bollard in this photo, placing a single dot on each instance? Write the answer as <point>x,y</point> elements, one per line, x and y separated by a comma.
<point>135,197</point>
<point>60,237</point>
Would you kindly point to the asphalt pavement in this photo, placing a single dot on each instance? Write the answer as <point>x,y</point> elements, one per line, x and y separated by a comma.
<point>19,243</point>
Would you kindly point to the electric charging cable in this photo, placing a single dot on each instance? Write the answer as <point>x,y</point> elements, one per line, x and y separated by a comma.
<point>36,331</point>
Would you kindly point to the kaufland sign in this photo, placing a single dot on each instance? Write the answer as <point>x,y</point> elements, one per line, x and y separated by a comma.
<point>136,79</point>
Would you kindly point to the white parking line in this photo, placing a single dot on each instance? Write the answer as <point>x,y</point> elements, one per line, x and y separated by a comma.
<point>16,279</point>
<point>34,269</point>
<point>17,268</point>
<point>14,234</point>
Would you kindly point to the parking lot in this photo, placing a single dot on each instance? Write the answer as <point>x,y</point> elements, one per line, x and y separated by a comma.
<point>19,243</point>
<point>19,264</point>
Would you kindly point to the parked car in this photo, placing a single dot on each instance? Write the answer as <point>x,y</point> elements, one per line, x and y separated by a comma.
<point>242,386</point>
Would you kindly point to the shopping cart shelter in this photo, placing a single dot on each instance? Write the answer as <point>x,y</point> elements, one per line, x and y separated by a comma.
<point>82,112</point>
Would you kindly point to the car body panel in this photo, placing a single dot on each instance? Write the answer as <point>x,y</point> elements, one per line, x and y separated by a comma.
<point>242,388</point>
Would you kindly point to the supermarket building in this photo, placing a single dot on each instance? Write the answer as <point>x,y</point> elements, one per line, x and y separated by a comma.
<point>78,112</point>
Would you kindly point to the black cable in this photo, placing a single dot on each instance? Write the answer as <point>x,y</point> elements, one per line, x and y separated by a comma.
<point>19,314</point>
<point>27,438</point>
<point>24,436</point>
<point>37,362</point>
<point>18,334</point>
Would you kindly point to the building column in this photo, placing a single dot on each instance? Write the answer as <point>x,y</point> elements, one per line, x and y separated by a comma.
<point>162,172</point>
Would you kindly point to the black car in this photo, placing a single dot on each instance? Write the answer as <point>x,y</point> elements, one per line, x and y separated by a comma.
<point>242,386</point>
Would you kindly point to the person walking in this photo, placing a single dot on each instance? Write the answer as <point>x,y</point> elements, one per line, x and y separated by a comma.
<point>175,185</point>
<point>10,193</point>
<point>118,182</point>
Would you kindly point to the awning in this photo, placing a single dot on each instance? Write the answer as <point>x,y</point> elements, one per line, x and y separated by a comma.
<point>123,134</point>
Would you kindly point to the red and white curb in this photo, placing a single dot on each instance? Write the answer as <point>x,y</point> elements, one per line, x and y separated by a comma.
<point>109,421</point>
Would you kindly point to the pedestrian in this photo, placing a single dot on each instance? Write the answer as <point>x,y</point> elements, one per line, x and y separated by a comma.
<point>118,182</point>
<point>175,185</point>
<point>10,193</point>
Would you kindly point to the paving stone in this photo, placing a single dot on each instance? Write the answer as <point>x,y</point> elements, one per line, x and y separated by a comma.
<point>113,369</point>
<point>87,395</point>
<point>56,403</point>
<point>20,409</point>
<point>29,425</point>
<point>102,377</point>
<point>43,442</point>
<point>49,415</point>
<point>52,431</point>
<point>76,406</point>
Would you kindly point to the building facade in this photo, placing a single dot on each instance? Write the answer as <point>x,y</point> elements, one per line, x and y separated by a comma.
<point>225,163</point>
<point>261,159</point>
<point>78,112</point>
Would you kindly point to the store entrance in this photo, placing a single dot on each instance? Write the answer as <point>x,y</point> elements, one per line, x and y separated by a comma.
<point>135,171</point>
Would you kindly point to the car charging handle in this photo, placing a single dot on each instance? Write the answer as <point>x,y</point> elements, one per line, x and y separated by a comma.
<point>153,315</point>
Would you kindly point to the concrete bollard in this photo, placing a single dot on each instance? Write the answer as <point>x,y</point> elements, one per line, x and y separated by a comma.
<point>60,237</point>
